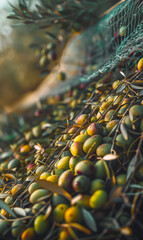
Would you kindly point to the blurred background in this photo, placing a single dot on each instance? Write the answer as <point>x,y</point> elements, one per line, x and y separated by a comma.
<point>19,69</point>
<point>18,72</point>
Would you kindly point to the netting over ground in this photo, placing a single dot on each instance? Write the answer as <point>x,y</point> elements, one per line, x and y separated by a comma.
<point>114,42</point>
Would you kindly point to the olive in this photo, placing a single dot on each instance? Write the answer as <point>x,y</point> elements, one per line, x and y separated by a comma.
<point>17,227</point>
<point>85,168</point>
<point>38,194</point>
<point>81,184</point>
<point>65,180</point>
<point>98,199</point>
<point>59,212</point>
<point>96,184</point>
<point>103,149</point>
<point>81,119</point>
<point>92,143</point>
<point>63,163</point>
<point>76,149</point>
<point>28,234</point>
<point>41,224</point>
<point>73,214</point>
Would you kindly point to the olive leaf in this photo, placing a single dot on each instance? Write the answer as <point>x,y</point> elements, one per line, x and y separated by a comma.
<point>19,211</point>
<point>124,131</point>
<point>131,168</point>
<point>89,220</point>
<point>53,187</point>
<point>80,228</point>
<point>110,157</point>
<point>4,206</point>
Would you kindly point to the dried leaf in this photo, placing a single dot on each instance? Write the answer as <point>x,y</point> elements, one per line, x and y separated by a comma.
<point>53,187</point>
<point>20,211</point>
<point>124,131</point>
<point>106,169</point>
<point>80,228</point>
<point>110,157</point>
<point>8,175</point>
<point>75,199</point>
<point>4,206</point>
<point>72,233</point>
<point>115,193</point>
<point>89,220</point>
<point>48,211</point>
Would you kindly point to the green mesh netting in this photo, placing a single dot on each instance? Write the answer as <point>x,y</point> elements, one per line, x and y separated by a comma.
<point>117,36</point>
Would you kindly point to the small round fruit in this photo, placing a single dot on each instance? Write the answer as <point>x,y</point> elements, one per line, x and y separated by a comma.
<point>122,31</point>
<point>28,234</point>
<point>85,168</point>
<point>14,163</point>
<point>115,84</point>
<point>37,206</point>
<point>38,194</point>
<point>4,225</point>
<point>100,171</point>
<point>41,224</point>
<point>9,200</point>
<point>44,175</point>
<point>73,214</point>
<point>41,169</point>
<point>137,110</point>
<point>73,161</point>
<point>58,199</point>
<point>98,199</point>
<point>81,184</point>
<point>81,138</point>
<point>140,64</point>
<point>94,128</point>
<point>81,119</point>
<point>92,143</point>
<point>25,149</point>
<point>103,149</point>
<point>111,125</point>
<point>83,201</point>
<point>121,142</point>
<point>64,235</point>
<point>16,188</point>
<point>53,178</point>
<point>63,163</point>
<point>59,212</point>
<point>16,228</point>
<point>121,179</point>
<point>109,115</point>
<point>33,186</point>
<point>65,180</point>
<point>76,149</point>
<point>96,184</point>
<point>62,76</point>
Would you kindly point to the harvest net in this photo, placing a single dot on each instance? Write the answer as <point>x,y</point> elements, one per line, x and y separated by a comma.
<point>109,96</point>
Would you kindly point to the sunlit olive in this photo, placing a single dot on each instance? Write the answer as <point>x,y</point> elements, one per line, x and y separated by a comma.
<point>73,214</point>
<point>41,224</point>
<point>98,199</point>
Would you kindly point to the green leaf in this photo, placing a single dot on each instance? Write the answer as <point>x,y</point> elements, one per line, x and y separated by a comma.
<point>131,168</point>
<point>89,220</point>
<point>4,206</point>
